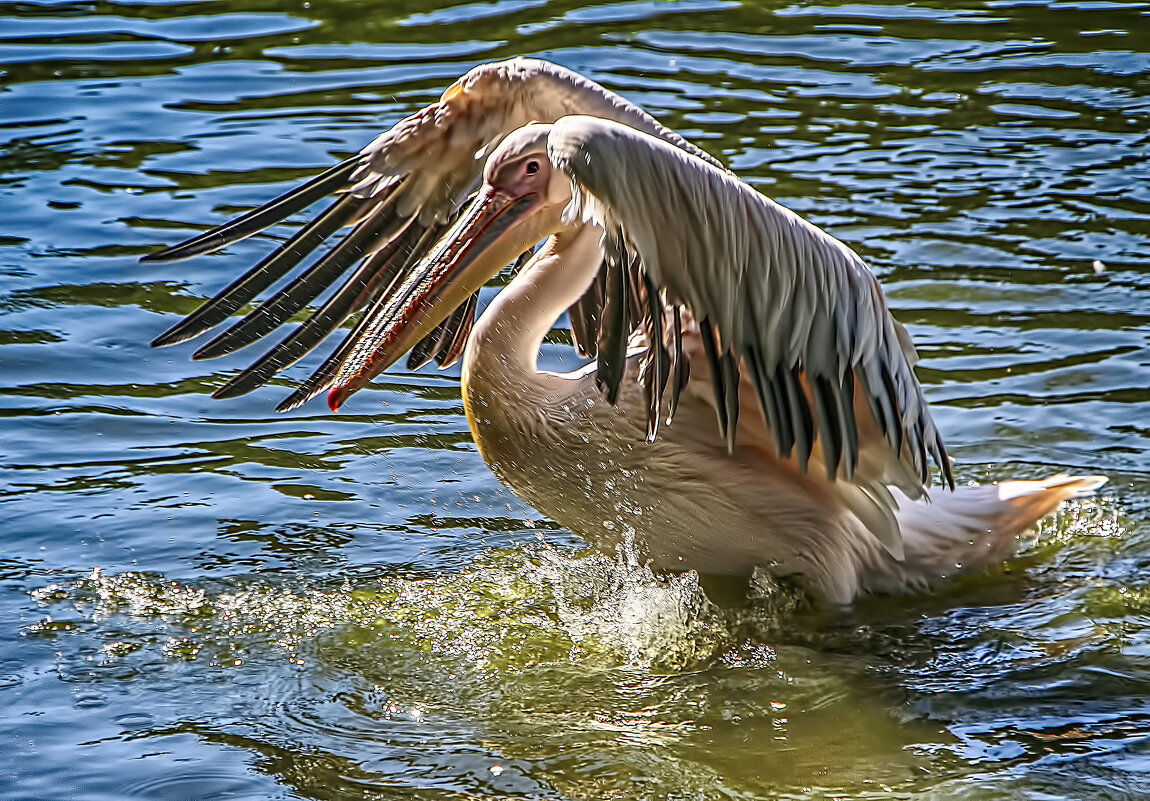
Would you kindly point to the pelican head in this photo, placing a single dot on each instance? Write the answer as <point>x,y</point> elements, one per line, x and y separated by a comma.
<point>522,198</point>
<point>520,203</point>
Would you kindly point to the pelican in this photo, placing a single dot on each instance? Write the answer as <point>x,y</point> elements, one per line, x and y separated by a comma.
<point>751,402</point>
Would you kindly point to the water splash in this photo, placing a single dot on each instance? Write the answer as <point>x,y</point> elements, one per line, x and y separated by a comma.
<point>512,609</point>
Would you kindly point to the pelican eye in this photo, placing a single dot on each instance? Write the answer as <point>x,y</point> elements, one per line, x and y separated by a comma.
<point>532,167</point>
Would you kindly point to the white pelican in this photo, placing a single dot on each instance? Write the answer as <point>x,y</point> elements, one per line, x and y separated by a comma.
<point>702,301</point>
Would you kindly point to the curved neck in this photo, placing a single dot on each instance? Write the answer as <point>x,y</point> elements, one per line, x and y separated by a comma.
<point>508,335</point>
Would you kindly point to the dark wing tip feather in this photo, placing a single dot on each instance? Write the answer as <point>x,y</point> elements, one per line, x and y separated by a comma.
<point>730,363</point>
<point>829,425</point>
<point>585,315</point>
<point>680,369</point>
<point>260,218</point>
<point>615,325</point>
<point>189,248</point>
<point>718,386</point>
<point>846,399</point>
<point>364,239</point>
<point>269,270</point>
<point>799,412</point>
<point>175,335</point>
<point>772,403</point>
<point>303,394</point>
<point>436,342</point>
<point>453,350</point>
<point>236,386</point>
<point>366,282</point>
<point>656,367</point>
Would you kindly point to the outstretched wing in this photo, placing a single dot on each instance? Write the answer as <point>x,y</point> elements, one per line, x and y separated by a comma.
<point>773,295</point>
<point>399,195</point>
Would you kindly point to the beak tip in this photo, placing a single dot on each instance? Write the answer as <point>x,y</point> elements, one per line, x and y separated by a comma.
<point>336,397</point>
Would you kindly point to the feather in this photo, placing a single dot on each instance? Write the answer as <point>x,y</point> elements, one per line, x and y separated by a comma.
<point>433,156</point>
<point>730,368</point>
<point>424,351</point>
<point>615,326</point>
<point>799,413</point>
<point>658,360</point>
<point>453,350</point>
<point>846,401</point>
<point>774,415</point>
<point>356,349</point>
<point>585,314</point>
<point>271,269</point>
<point>718,384</point>
<point>371,235</point>
<point>769,284</point>
<point>437,346</point>
<point>680,369</point>
<point>829,425</point>
<point>269,214</point>
<point>368,281</point>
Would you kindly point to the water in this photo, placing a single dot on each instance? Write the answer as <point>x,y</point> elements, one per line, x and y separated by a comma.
<point>203,600</point>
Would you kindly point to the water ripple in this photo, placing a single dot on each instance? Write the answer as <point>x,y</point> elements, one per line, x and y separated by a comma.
<point>320,606</point>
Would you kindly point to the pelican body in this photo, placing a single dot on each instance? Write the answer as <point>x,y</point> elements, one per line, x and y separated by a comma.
<point>751,403</point>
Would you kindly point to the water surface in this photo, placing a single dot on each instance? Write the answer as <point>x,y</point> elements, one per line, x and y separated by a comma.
<point>203,599</point>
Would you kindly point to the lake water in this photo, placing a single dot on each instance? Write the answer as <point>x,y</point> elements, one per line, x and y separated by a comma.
<point>203,599</point>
